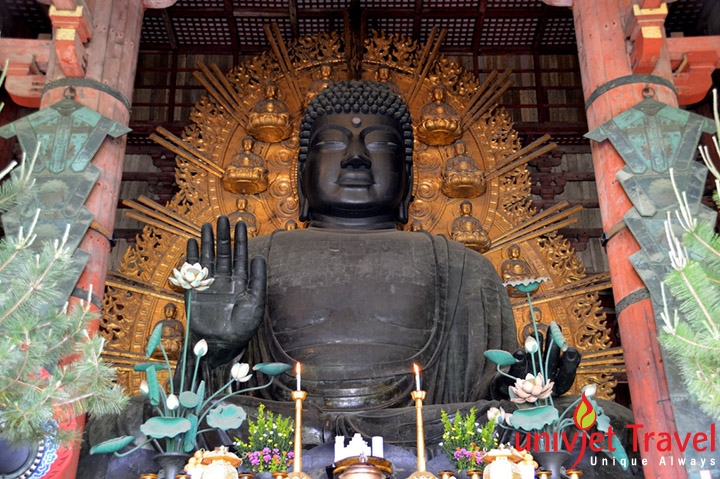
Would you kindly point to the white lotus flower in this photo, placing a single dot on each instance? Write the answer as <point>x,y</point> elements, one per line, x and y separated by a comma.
<point>201,348</point>
<point>531,345</point>
<point>191,276</point>
<point>172,402</point>
<point>239,372</point>
<point>589,390</point>
<point>497,414</point>
<point>531,389</point>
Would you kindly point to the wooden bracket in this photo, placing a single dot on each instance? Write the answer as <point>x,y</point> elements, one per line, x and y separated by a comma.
<point>72,29</point>
<point>645,30</point>
<point>27,63</point>
<point>692,77</point>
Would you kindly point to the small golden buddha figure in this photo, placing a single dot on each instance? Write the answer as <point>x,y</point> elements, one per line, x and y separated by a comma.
<point>173,334</point>
<point>291,225</point>
<point>242,214</point>
<point>462,178</point>
<point>382,75</point>
<point>514,269</point>
<point>246,174</point>
<point>439,123</point>
<point>326,77</point>
<point>468,229</point>
<point>416,225</point>
<point>269,120</point>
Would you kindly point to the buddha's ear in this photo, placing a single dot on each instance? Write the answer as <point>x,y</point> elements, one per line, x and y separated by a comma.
<point>403,210</point>
<point>302,202</point>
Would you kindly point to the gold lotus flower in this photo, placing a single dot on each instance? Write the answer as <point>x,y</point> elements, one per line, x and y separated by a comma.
<point>531,389</point>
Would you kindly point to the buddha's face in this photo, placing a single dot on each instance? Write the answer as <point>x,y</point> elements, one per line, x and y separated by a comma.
<point>355,167</point>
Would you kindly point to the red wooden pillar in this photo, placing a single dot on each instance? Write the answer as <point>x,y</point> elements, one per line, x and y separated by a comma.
<point>603,58</point>
<point>107,88</point>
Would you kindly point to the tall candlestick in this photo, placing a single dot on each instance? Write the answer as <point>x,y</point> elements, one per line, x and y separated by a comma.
<point>417,376</point>
<point>298,397</point>
<point>297,376</point>
<point>421,473</point>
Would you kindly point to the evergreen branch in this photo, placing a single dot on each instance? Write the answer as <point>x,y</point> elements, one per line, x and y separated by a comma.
<point>18,187</point>
<point>705,313</point>
<point>23,242</point>
<point>34,286</point>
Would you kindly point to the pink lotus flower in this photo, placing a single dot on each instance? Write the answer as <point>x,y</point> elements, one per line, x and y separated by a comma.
<point>531,389</point>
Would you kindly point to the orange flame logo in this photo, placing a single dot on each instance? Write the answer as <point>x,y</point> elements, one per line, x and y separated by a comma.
<point>585,415</point>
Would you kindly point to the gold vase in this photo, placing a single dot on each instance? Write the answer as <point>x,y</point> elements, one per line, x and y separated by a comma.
<point>475,474</point>
<point>446,474</point>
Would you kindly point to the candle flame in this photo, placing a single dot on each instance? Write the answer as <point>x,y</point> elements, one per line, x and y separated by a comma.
<point>416,368</point>
<point>297,367</point>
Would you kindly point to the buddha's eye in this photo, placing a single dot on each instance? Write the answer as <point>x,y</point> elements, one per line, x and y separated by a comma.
<point>330,140</point>
<point>330,145</point>
<point>381,145</point>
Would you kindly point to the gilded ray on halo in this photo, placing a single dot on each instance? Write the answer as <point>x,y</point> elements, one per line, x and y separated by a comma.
<point>153,213</point>
<point>272,32</point>
<point>427,57</point>
<point>486,96</point>
<point>217,85</point>
<point>191,154</point>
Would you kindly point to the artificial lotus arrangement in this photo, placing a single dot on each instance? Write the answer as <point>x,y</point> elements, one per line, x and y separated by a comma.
<point>536,410</point>
<point>179,413</point>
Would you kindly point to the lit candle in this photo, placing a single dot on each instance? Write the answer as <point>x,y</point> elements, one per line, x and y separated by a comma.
<point>297,375</point>
<point>417,376</point>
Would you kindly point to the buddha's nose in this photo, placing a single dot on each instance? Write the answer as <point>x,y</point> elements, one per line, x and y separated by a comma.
<point>356,157</point>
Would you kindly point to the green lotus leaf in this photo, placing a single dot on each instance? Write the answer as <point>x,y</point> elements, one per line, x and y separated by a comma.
<point>145,366</point>
<point>271,369</point>
<point>189,399</point>
<point>619,453</point>
<point>154,340</point>
<point>534,418</point>
<point>500,357</point>
<point>188,443</point>
<point>200,394</point>
<point>112,445</point>
<point>153,386</point>
<point>558,336</point>
<point>159,426</point>
<point>603,422</point>
<point>226,416</point>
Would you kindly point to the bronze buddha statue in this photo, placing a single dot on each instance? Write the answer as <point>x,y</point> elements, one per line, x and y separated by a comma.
<point>351,297</point>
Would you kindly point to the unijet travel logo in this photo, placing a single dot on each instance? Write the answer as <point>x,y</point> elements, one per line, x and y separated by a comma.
<point>585,418</point>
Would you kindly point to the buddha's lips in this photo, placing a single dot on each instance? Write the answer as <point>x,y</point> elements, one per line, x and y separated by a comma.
<point>359,177</point>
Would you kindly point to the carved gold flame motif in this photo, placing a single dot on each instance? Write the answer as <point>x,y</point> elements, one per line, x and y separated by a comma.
<point>486,189</point>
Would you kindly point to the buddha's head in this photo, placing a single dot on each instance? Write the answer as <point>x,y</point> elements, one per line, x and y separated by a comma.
<point>355,161</point>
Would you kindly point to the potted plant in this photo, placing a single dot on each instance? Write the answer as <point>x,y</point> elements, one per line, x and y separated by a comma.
<point>180,413</point>
<point>269,444</point>
<point>465,442</point>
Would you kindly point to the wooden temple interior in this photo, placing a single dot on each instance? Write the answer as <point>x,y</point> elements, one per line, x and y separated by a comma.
<point>535,41</point>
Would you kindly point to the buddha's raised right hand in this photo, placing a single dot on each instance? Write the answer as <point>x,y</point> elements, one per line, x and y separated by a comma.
<point>227,314</point>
